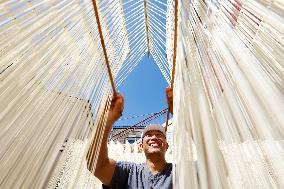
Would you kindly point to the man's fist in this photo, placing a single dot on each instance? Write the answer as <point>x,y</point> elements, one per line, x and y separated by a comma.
<point>169,95</point>
<point>116,108</point>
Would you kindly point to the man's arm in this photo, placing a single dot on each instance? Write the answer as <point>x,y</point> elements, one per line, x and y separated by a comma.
<point>105,166</point>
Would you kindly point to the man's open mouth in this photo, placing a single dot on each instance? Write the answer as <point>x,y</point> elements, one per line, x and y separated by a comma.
<point>155,145</point>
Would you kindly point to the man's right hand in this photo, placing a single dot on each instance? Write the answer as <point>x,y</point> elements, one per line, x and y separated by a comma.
<point>116,108</point>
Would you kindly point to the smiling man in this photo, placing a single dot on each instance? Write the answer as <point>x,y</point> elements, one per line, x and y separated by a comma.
<point>153,174</point>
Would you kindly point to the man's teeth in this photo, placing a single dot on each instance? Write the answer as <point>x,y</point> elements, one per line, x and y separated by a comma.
<point>154,145</point>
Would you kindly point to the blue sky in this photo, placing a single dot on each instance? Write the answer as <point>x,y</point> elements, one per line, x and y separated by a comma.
<point>144,92</point>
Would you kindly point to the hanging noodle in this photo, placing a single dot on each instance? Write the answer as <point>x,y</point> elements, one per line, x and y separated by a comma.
<point>228,94</point>
<point>54,84</point>
<point>228,90</point>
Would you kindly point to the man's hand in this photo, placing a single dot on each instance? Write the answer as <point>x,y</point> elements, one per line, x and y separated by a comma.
<point>116,108</point>
<point>169,95</point>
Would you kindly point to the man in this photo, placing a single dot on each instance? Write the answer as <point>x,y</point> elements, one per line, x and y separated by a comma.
<point>155,173</point>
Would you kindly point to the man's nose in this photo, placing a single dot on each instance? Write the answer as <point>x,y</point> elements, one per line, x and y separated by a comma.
<point>154,137</point>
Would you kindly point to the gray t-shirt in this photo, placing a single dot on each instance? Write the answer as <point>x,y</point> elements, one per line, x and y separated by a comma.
<point>137,176</point>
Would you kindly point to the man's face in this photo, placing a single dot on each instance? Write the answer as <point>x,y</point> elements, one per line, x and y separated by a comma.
<point>154,142</point>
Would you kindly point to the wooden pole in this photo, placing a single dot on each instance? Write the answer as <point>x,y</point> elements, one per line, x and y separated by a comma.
<point>103,44</point>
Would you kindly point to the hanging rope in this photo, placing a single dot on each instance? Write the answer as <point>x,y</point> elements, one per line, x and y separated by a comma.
<point>136,116</point>
<point>143,122</point>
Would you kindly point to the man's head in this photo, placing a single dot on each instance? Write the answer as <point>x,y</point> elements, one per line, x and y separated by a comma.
<point>154,140</point>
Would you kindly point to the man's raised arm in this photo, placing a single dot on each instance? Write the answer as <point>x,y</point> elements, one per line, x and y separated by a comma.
<point>105,166</point>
